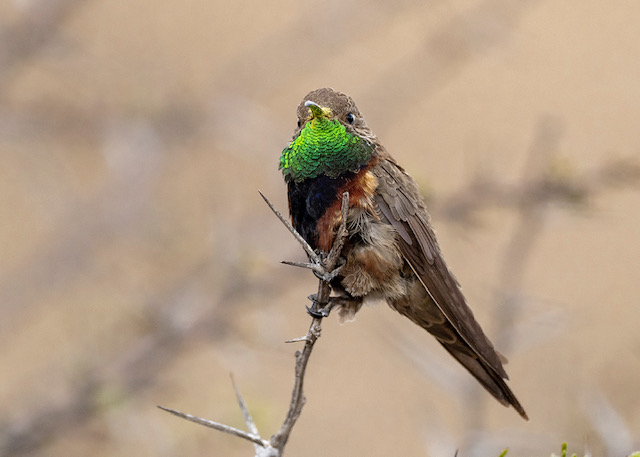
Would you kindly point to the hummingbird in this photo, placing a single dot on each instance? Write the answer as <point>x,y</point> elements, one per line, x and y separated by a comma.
<point>391,252</point>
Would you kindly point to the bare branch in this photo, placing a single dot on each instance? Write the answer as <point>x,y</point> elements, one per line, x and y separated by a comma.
<point>308,249</point>
<point>324,268</point>
<point>248,420</point>
<point>279,439</point>
<point>218,426</point>
<point>251,425</point>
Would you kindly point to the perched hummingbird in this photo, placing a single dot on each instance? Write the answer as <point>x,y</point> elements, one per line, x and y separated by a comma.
<point>391,252</point>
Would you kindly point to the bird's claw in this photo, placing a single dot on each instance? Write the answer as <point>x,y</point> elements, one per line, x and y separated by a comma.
<point>317,312</point>
<point>313,313</point>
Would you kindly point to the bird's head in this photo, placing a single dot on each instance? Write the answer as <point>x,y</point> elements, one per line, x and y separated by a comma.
<point>331,138</point>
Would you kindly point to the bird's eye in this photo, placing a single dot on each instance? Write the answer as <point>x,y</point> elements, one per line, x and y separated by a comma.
<point>350,118</point>
<point>299,122</point>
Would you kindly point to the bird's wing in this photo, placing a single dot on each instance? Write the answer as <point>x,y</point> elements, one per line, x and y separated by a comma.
<point>399,200</point>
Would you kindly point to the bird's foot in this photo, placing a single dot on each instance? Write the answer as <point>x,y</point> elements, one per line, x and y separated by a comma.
<point>318,310</point>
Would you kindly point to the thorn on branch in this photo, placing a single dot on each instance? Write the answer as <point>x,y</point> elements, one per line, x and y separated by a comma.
<point>248,420</point>
<point>297,340</point>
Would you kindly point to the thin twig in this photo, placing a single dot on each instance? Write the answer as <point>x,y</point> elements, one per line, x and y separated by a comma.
<point>307,248</point>
<point>251,425</point>
<point>218,426</point>
<point>280,438</point>
<point>248,420</point>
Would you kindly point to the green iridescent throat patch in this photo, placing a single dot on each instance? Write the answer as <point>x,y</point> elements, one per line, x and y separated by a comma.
<point>324,147</point>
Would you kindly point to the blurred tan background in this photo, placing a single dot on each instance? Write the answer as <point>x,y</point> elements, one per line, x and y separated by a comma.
<point>140,266</point>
